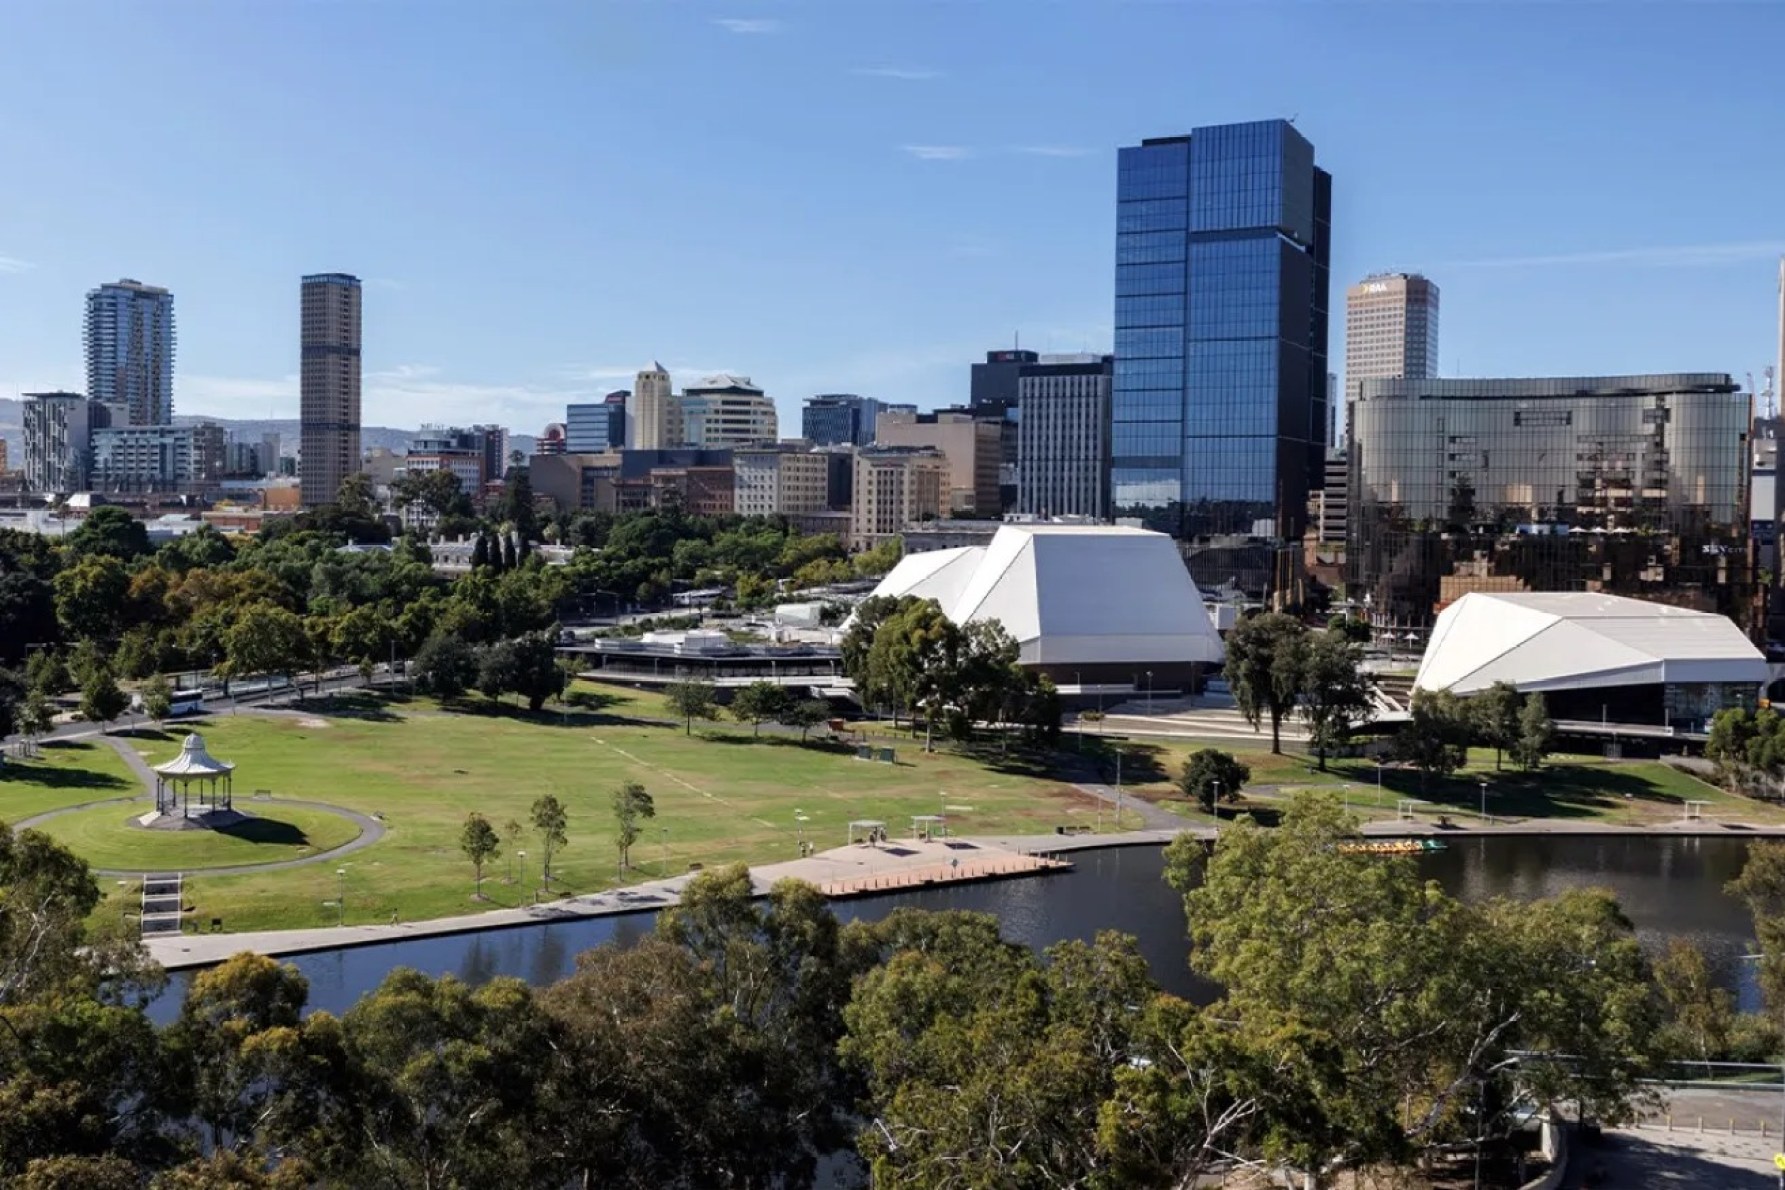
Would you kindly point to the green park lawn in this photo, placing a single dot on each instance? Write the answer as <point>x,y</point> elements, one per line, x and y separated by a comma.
<point>1568,787</point>
<point>101,835</point>
<point>720,797</point>
<point>64,773</point>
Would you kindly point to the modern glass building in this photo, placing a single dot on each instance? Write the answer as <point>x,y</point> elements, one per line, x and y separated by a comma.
<point>1626,485</point>
<point>1218,412</point>
<point>129,337</point>
<point>839,419</point>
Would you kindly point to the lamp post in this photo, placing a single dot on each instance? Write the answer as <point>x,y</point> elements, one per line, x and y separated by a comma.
<point>664,831</point>
<point>1078,690</point>
<point>1119,785</point>
<point>522,854</point>
<point>1761,958</point>
<point>1149,692</point>
<point>341,903</point>
<point>1484,816</point>
<point>1345,792</point>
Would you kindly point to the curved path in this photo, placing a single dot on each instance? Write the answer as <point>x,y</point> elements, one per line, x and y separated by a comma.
<point>371,830</point>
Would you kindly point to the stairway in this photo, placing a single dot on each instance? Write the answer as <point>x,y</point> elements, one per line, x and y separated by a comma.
<point>163,904</point>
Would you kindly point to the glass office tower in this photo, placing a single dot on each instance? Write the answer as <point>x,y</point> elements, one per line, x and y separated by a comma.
<point>1628,485</point>
<point>1218,412</point>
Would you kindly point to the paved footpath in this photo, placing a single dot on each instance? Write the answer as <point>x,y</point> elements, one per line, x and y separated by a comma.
<point>1714,1139</point>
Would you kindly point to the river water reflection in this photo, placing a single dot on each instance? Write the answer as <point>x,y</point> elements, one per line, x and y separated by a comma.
<point>1668,886</point>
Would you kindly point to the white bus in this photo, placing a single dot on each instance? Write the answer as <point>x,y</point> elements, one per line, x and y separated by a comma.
<point>186,702</point>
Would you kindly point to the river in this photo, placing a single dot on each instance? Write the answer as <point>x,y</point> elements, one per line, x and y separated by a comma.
<point>1669,887</point>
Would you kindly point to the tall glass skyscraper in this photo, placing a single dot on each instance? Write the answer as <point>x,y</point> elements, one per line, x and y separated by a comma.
<point>129,337</point>
<point>1218,411</point>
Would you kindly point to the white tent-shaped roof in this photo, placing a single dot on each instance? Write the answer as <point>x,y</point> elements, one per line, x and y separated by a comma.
<point>1581,640</point>
<point>195,761</point>
<point>1071,594</point>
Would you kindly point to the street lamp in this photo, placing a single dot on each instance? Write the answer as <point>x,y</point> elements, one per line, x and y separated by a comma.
<point>1761,958</point>
<point>1149,692</point>
<point>1078,691</point>
<point>523,858</point>
<point>1119,785</point>
<point>664,831</point>
<point>341,904</point>
<point>1484,817</point>
<point>1345,792</point>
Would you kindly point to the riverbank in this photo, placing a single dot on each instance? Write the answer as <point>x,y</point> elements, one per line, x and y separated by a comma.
<point>858,870</point>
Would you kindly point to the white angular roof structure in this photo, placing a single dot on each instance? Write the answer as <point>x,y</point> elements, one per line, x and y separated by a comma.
<point>1070,594</point>
<point>1581,640</point>
<point>194,761</point>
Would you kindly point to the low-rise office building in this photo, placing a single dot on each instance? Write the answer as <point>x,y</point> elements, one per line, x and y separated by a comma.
<point>157,458</point>
<point>785,479</point>
<point>895,487</point>
<point>972,446</point>
<point>726,411</point>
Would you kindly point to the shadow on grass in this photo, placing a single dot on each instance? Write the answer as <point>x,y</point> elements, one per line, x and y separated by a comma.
<point>575,717</point>
<point>777,740</point>
<point>1560,790</point>
<point>356,704</point>
<point>56,777</point>
<point>266,830</point>
<point>154,735</point>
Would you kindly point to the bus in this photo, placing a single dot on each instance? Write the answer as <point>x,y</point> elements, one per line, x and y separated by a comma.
<point>186,702</point>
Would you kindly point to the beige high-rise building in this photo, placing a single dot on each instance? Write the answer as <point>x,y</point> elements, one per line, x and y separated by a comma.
<point>726,412</point>
<point>654,417</point>
<point>972,446</point>
<point>1391,331</point>
<point>895,487</point>
<point>329,396</point>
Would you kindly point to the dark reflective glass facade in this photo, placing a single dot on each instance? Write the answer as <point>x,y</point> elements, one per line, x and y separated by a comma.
<point>1218,410</point>
<point>1630,485</point>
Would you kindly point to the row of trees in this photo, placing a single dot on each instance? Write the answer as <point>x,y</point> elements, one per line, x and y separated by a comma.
<point>1441,728</point>
<point>481,843</point>
<point>755,704</point>
<point>1749,748</point>
<point>1365,1018</point>
<point>526,665</point>
<point>1276,666</point>
<point>293,599</point>
<point>906,656</point>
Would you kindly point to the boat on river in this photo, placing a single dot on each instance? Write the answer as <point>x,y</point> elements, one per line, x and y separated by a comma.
<point>1394,846</point>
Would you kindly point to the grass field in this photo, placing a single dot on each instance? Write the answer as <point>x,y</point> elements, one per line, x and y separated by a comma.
<point>103,836</point>
<point>1625,792</point>
<point>65,773</point>
<point>720,796</point>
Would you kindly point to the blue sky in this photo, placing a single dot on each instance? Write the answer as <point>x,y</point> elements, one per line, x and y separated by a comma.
<point>851,195</point>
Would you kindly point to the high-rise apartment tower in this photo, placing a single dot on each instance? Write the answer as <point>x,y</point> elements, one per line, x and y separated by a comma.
<point>129,339</point>
<point>1218,411</point>
<point>329,398</point>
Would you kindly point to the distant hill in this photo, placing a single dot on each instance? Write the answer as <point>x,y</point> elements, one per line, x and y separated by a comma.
<point>12,430</point>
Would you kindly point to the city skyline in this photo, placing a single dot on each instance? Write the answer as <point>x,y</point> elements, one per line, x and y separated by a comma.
<point>968,201</point>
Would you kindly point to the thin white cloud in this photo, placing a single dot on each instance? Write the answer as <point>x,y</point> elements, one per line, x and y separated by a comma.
<point>1053,150</point>
<point>938,152</point>
<point>747,24</point>
<point>1661,255</point>
<point>12,264</point>
<point>910,74</point>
